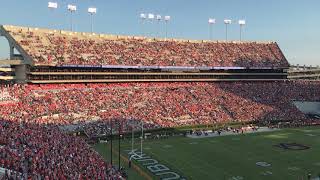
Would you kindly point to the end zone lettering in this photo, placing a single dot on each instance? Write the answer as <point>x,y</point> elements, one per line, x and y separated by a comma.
<point>154,166</point>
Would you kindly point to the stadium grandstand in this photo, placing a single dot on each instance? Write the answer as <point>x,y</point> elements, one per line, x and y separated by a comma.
<point>52,56</point>
<point>58,78</point>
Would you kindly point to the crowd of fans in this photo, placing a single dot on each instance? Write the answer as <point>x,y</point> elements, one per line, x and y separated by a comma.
<point>33,145</point>
<point>158,104</point>
<point>36,151</point>
<point>61,49</point>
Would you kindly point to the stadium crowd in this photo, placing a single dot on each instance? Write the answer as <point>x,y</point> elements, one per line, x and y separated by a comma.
<point>157,104</point>
<point>32,144</point>
<point>47,47</point>
<point>35,151</point>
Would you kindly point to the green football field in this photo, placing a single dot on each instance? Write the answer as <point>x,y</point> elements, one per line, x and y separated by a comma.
<point>249,156</point>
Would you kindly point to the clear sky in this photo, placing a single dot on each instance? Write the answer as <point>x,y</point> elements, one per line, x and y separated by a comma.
<point>294,24</point>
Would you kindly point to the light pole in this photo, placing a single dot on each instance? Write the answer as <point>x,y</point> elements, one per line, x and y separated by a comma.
<point>227,22</point>
<point>143,17</point>
<point>72,9</point>
<point>211,23</point>
<point>92,11</point>
<point>151,18</point>
<point>241,23</point>
<point>52,6</point>
<point>158,18</point>
<point>166,20</point>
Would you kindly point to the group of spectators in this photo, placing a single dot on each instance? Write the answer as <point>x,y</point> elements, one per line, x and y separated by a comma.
<point>157,104</point>
<point>36,151</point>
<point>76,49</point>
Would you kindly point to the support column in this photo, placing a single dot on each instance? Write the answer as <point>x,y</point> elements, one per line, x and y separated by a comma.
<point>11,51</point>
<point>21,73</point>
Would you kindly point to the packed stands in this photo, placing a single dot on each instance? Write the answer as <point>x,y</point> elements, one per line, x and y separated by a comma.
<point>43,152</point>
<point>161,104</point>
<point>51,47</point>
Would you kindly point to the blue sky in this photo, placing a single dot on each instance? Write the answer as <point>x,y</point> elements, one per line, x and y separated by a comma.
<point>294,24</point>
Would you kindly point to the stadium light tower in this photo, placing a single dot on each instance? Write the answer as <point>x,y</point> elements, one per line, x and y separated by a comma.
<point>166,20</point>
<point>92,11</point>
<point>158,18</point>
<point>72,9</point>
<point>241,23</point>
<point>227,22</point>
<point>211,23</point>
<point>143,17</point>
<point>151,17</point>
<point>52,6</point>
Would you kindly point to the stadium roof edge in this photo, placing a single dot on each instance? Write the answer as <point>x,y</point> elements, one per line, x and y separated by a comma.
<point>112,36</point>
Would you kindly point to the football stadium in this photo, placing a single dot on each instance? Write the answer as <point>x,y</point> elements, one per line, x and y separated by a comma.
<point>86,105</point>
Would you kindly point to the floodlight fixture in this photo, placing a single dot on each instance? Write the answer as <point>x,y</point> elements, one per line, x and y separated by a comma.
<point>143,16</point>
<point>167,18</point>
<point>150,16</point>
<point>242,22</point>
<point>227,22</point>
<point>92,10</point>
<point>72,8</point>
<point>52,5</point>
<point>158,17</point>
<point>211,21</point>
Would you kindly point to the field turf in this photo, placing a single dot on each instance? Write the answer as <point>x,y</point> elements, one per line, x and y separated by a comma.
<point>235,157</point>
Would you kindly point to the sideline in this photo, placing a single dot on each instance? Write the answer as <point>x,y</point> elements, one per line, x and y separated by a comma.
<point>230,133</point>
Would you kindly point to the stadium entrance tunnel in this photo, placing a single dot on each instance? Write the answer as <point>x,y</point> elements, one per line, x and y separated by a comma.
<point>309,108</point>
